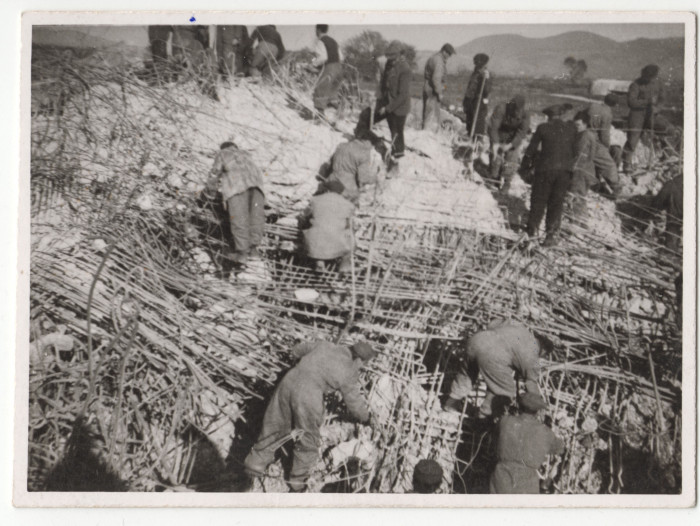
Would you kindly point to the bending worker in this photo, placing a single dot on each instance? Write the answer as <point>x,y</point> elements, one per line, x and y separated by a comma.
<point>509,126</point>
<point>523,445</point>
<point>330,235</point>
<point>503,348</point>
<point>328,60</point>
<point>434,87</point>
<point>297,404</point>
<point>354,164</point>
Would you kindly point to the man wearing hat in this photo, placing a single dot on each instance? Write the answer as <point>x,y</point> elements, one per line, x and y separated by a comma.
<point>643,97</point>
<point>523,445</point>
<point>551,150</point>
<point>502,348</point>
<point>434,87</point>
<point>427,476</point>
<point>297,404</point>
<point>508,127</point>
<point>394,102</point>
<point>330,234</point>
<point>476,97</point>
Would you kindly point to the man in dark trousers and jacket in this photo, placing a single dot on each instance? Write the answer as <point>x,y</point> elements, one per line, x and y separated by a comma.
<point>354,164</point>
<point>503,348</point>
<point>297,404</point>
<point>670,199</point>
<point>241,184</point>
<point>394,103</point>
<point>643,98</point>
<point>476,97</point>
<point>551,150</point>
<point>269,50</point>
<point>231,43</point>
<point>328,59</point>
<point>434,87</point>
<point>523,446</point>
<point>509,126</point>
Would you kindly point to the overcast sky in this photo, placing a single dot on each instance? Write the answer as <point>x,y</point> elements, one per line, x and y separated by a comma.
<point>425,37</point>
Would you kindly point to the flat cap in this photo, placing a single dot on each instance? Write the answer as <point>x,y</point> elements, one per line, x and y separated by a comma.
<point>447,48</point>
<point>363,351</point>
<point>532,402</point>
<point>427,473</point>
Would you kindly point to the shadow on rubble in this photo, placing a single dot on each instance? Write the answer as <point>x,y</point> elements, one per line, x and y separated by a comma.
<point>636,213</point>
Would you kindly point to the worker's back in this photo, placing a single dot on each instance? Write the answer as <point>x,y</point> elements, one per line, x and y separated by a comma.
<point>556,139</point>
<point>330,235</point>
<point>644,93</point>
<point>601,117</point>
<point>352,166</point>
<point>433,64</point>
<point>508,342</point>
<point>238,171</point>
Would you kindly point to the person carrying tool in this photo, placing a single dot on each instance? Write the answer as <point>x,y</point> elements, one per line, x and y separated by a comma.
<point>551,151</point>
<point>670,199</point>
<point>330,234</point>
<point>355,164</point>
<point>328,60</point>
<point>523,446</point>
<point>476,97</point>
<point>502,348</point>
<point>434,87</point>
<point>231,44</point>
<point>297,404</point>
<point>240,182</point>
<point>643,98</point>
<point>427,476</point>
<point>394,102</point>
<point>269,49</point>
<point>508,127</point>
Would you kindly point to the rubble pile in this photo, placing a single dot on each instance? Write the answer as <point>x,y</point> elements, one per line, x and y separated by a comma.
<point>135,327</point>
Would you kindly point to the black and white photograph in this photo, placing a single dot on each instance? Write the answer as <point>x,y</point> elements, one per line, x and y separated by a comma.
<point>342,259</point>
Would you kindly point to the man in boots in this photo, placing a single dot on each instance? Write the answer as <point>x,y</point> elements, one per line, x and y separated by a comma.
<point>509,126</point>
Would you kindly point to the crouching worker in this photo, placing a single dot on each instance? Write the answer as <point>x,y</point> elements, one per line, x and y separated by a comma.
<point>240,182</point>
<point>330,235</point>
<point>503,348</point>
<point>297,404</point>
<point>523,445</point>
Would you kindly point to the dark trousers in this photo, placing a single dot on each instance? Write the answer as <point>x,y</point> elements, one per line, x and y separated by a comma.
<point>548,192</point>
<point>478,115</point>
<point>396,125</point>
<point>247,215</point>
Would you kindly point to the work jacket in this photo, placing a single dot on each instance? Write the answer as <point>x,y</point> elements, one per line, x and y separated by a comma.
<point>644,95</point>
<point>471,95</point>
<point>556,139</point>
<point>509,126</point>
<point>325,367</point>
<point>352,164</point>
<point>434,75</point>
<point>330,235</point>
<point>234,171</point>
<point>270,35</point>
<point>601,118</point>
<point>585,148</point>
<point>396,87</point>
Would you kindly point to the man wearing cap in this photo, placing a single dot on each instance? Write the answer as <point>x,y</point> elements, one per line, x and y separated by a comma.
<point>328,60</point>
<point>330,234</point>
<point>394,102</point>
<point>523,445</point>
<point>240,182</point>
<point>643,97</point>
<point>503,348</point>
<point>355,164</point>
<point>297,403</point>
<point>600,118</point>
<point>551,150</point>
<point>508,127</point>
<point>476,97</point>
<point>434,87</point>
<point>427,476</point>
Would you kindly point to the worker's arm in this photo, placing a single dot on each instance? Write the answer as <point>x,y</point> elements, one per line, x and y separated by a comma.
<point>354,400</point>
<point>522,132</point>
<point>633,100</point>
<point>404,90</point>
<point>321,54</point>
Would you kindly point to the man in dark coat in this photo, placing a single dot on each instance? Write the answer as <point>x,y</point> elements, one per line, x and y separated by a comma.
<point>523,445</point>
<point>330,234</point>
<point>508,127</point>
<point>328,61</point>
<point>643,98</point>
<point>476,97</point>
<point>670,200</point>
<point>269,49</point>
<point>551,150</point>
<point>231,43</point>
<point>297,404</point>
<point>434,87</point>
<point>394,103</point>
<point>503,348</point>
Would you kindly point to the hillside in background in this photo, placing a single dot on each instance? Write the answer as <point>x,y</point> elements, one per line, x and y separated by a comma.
<point>516,55</point>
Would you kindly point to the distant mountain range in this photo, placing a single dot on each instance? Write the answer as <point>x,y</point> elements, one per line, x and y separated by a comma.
<point>516,55</point>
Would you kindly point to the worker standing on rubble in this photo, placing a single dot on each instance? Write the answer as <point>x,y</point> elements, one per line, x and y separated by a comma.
<point>269,49</point>
<point>551,150</point>
<point>600,117</point>
<point>241,184</point>
<point>330,235</point>
<point>434,87</point>
<point>584,173</point>
<point>523,445</point>
<point>476,97</point>
<point>427,476</point>
<point>297,404</point>
<point>328,60</point>
<point>503,348</point>
<point>394,103</point>
<point>231,43</point>
<point>354,164</point>
<point>643,98</point>
<point>670,199</point>
<point>508,127</point>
